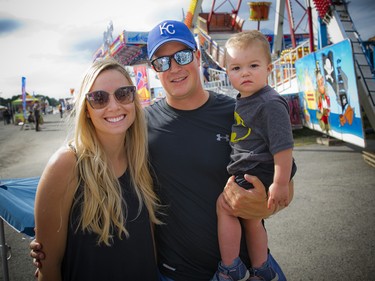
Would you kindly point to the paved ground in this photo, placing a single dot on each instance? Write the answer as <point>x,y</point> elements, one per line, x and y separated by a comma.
<point>327,233</point>
<point>23,154</point>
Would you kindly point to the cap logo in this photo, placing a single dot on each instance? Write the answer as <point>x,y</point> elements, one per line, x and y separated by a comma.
<point>167,27</point>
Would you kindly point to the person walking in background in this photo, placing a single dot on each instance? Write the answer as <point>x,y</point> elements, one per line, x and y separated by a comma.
<point>36,109</point>
<point>31,119</point>
<point>206,74</point>
<point>6,116</point>
<point>95,203</point>
<point>11,120</point>
<point>61,111</point>
<point>262,145</point>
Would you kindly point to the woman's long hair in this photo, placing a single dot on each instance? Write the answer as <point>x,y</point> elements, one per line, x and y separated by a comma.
<point>102,211</point>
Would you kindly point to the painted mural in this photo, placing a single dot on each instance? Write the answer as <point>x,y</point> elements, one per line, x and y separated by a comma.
<point>329,95</point>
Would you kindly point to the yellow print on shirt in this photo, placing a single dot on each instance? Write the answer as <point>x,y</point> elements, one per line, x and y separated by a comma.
<point>239,121</point>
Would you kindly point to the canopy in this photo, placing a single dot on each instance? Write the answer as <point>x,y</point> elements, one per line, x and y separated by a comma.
<point>17,209</point>
<point>28,99</point>
<point>17,203</point>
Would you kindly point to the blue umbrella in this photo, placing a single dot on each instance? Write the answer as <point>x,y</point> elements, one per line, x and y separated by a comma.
<point>17,198</point>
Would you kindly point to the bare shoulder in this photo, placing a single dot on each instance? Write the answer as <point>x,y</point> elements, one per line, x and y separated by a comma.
<point>64,158</point>
<point>60,170</point>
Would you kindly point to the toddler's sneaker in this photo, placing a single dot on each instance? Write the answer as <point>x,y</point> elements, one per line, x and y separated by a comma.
<point>235,272</point>
<point>266,273</point>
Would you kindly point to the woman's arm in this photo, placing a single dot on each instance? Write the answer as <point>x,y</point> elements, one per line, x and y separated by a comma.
<point>252,203</point>
<point>53,201</point>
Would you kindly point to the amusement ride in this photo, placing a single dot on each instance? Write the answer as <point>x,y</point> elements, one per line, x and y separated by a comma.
<point>344,109</point>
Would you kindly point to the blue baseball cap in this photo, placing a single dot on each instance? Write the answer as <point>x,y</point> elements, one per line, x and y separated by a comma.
<point>168,31</point>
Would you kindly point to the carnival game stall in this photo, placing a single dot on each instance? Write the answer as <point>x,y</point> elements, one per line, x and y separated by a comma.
<point>17,107</point>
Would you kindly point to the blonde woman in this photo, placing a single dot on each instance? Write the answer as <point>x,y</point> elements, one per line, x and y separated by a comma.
<point>95,203</point>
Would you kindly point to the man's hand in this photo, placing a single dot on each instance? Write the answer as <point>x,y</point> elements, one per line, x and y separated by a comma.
<point>37,254</point>
<point>252,203</point>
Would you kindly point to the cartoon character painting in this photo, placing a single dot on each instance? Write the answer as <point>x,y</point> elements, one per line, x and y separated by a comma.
<point>341,91</point>
<point>323,101</point>
<point>339,86</point>
<point>328,88</point>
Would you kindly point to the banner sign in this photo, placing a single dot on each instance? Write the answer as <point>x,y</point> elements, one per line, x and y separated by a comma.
<point>136,37</point>
<point>141,80</point>
<point>24,97</point>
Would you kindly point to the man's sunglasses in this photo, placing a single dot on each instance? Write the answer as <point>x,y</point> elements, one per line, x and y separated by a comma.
<point>183,57</point>
<point>100,99</point>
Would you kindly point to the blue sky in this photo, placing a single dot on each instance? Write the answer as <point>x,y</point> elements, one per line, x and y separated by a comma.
<point>51,43</point>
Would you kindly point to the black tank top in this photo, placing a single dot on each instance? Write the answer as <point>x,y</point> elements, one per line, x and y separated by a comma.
<point>130,259</point>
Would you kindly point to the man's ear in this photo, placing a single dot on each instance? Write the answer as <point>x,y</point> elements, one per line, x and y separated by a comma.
<point>198,55</point>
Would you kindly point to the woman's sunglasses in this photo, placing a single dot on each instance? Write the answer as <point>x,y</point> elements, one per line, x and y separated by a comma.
<point>183,57</point>
<point>100,99</point>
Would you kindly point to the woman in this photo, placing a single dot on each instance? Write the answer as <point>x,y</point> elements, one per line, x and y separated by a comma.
<point>95,203</point>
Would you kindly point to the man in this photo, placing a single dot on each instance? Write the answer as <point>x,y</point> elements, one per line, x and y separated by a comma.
<point>189,149</point>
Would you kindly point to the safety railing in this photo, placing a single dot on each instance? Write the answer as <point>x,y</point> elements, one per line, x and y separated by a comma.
<point>283,69</point>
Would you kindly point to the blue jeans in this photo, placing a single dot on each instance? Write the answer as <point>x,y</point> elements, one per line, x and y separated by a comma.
<point>273,264</point>
<point>164,278</point>
<point>277,268</point>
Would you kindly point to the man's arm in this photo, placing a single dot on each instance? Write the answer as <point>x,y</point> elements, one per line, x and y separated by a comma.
<point>252,203</point>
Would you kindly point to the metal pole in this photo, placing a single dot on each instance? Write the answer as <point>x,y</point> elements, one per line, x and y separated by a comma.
<point>311,32</point>
<point>4,248</point>
<point>291,23</point>
<point>278,29</point>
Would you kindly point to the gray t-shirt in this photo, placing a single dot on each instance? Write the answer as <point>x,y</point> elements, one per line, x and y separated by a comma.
<point>189,151</point>
<point>262,128</point>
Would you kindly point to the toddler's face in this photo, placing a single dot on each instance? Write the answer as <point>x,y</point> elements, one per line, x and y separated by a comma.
<point>248,68</point>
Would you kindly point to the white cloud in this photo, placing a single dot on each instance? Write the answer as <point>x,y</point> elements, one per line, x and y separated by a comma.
<point>57,39</point>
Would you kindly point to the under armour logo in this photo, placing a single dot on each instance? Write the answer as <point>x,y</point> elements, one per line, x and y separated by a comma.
<point>219,137</point>
<point>167,27</point>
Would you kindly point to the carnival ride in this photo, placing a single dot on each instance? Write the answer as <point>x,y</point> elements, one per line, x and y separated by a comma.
<point>329,23</point>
